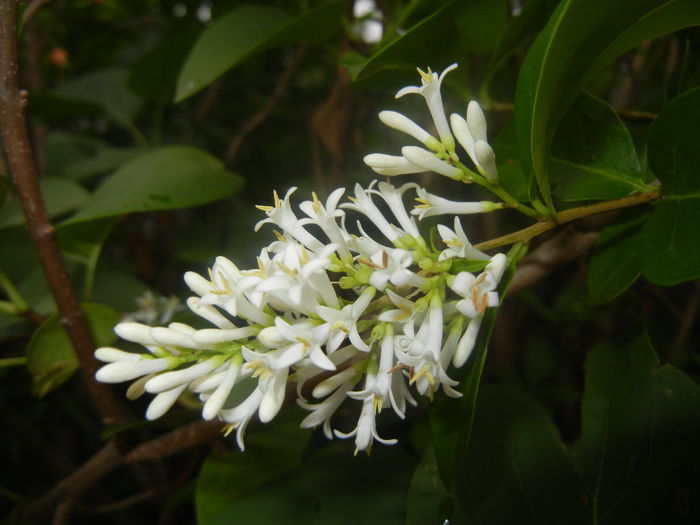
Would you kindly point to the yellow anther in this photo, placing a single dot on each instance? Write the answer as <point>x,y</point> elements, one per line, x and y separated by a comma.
<point>424,203</point>
<point>266,209</point>
<point>317,203</point>
<point>427,77</point>
<point>278,202</point>
<point>279,236</point>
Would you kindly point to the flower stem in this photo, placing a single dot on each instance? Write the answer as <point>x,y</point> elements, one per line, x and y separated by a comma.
<point>471,176</point>
<point>565,216</point>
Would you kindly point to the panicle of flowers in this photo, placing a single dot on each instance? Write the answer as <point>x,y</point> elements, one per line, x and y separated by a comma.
<point>440,157</point>
<point>368,304</point>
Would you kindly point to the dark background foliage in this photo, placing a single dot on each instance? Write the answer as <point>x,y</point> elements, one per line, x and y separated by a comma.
<point>157,126</point>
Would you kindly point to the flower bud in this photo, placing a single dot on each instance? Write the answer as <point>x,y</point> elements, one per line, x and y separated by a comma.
<point>430,162</point>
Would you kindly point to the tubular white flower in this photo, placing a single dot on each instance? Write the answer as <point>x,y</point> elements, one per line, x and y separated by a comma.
<point>163,402</point>
<point>321,412</point>
<point>107,354</point>
<point>402,123</point>
<point>431,205</point>
<point>127,370</point>
<point>427,160</point>
<point>476,121</point>
<point>393,197</point>
<point>281,214</point>
<point>240,416</point>
<point>458,244</point>
<point>486,160</point>
<point>136,333</point>
<point>390,165</point>
<point>362,202</point>
<point>466,343</point>
<point>216,401</point>
<point>170,380</point>
<point>430,90</point>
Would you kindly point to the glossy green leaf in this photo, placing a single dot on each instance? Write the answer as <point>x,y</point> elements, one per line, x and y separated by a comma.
<point>451,418</point>
<point>50,355</point>
<point>581,37</point>
<point>671,238</point>
<point>167,178</point>
<point>593,156</point>
<point>248,30</point>
<point>640,425</point>
<point>61,196</point>
<point>614,265</point>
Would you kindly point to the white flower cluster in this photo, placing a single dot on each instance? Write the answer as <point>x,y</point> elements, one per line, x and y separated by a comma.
<point>440,157</point>
<point>372,316</point>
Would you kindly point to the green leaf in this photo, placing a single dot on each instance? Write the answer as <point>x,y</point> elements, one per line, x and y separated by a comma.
<point>516,469</point>
<point>671,238</point>
<point>61,196</point>
<point>412,47</point>
<point>641,424</point>
<point>427,497</point>
<point>593,156</point>
<point>451,419</point>
<point>106,89</point>
<point>155,74</point>
<point>518,30</point>
<point>480,23</point>
<point>614,265</point>
<point>50,355</point>
<point>330,486</point>
<point>581,37</point>
<point>246,31</point>
<point>167,178</point>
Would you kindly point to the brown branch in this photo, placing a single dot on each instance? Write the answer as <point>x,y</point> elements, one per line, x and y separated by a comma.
<point>32,9</point>
<point>24,175</point>
<point>265,111</point>
<point>66,492</point>
<point>566,216</point>
<point>565,246</point>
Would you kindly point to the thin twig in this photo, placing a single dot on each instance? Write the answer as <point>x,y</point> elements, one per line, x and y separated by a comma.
<point>265,111</point>
<point>566,216</point>
<point>24,175</point>
<point>32,9</point>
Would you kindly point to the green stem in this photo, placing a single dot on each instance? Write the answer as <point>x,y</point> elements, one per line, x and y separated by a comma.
<point>13,361</point>
<point>12,293</point>
<point>471,176</point>
<point>565,216</point>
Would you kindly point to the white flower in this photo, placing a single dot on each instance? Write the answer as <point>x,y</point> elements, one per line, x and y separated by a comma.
<point>458,244</point>
<point>431,205</point>
<point>343,322</point>
<point>390,165</point>
<point>392,266</point>
<point>427,160</point>
<point>394,199</point>
<point>281,215</point>
<point>128,369</point>
<point>362,202</point>
<point>471,134</point>
<point>325,218</point>
<point>430,90</point>
<point>306,340</point>
<point>400,122</point>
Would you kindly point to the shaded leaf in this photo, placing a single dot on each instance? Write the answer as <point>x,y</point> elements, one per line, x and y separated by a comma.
<point>410,48</point>
<point>568,53</point>
<point>451,419</point>
<point>428,501</point>
<point>167,178</point>
<point>516,469</point>
<point>614,265</point>
<point>325,488</point>
<point>641,424</point>
<point>61,196</point>
<point>106,89</point>
<point>593,156</point>
<point>50,355</point>
<point>671,238</point>
<point>248,30</point>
